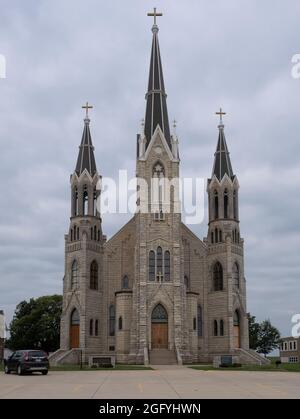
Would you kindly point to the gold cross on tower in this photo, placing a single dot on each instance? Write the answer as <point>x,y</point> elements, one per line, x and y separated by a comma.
<point>154,14</point>
<point>221,113</point>
<point>87,107</point>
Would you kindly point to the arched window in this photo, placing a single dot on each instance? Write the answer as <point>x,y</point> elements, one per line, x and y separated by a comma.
<point>235,205</point>
<point>200,321</point>
<point>95,233</point>
<point>159,263</point>
<point>75,233</point>
<point>220,236</point>
<point>120,323</point>
<point>186,282</point>
<point>225,203</point>
<point>236,275</point>
<point>91,327</point>
<point>151,265</point>
<point>71,234</point>
<point>74,275</point>
<point>221,327</point>
<point>158,174</point>
<point>158,170</point>
<point>85,199</point>
<point>125,283</point>
<point>167,266</point>
<point>112,319</point>
<point>95,203</point>
<point>215,328</point>
<point>75,201</point>
<point>216,235</point>
<point>216,205</point>
<point>236,318</point>
<point>218,277</point>
<point>212,237</point>
<point>159,314</point>
<point>98,235</point>
<point>96,328</point>
<point>194,323</point>
<point>94,275</point>
<point>75,319</point>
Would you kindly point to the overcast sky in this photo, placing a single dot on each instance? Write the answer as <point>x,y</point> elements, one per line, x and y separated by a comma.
<point>234,53</point>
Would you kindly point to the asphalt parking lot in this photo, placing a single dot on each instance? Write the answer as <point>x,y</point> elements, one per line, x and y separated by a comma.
<point>162,383</point>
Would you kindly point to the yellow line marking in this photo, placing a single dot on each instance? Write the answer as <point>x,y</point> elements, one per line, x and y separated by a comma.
<point>77,388</point>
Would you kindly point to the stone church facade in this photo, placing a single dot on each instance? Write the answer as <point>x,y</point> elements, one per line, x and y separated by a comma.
<point>154,289</point>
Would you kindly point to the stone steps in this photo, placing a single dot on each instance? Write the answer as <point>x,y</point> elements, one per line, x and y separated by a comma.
<point>162,357</point>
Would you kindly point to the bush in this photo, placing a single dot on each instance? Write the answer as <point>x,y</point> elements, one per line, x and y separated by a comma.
<point>277,363</point>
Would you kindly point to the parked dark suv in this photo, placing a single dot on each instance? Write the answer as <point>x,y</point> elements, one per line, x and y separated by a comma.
<point>27,361</point>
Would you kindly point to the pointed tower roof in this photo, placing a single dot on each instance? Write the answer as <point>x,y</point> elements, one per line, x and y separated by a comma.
<point>156,107</point>
<point>222,163</point>
<point>86,158</point>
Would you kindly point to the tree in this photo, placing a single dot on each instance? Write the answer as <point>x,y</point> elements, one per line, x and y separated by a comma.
<point>263,337</point>
<point>36,324</point>
<point>254,328</point>
<point>268,337</point>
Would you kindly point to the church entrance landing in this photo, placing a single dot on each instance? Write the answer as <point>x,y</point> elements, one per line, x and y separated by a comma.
<point>159,328</point>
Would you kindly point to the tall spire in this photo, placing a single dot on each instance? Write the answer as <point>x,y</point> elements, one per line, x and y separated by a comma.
<point>222,163</point>
<point>86,158</point>
<point>156,107</point>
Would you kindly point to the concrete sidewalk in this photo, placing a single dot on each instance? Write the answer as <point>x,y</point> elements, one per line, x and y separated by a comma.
<point>162,383</point>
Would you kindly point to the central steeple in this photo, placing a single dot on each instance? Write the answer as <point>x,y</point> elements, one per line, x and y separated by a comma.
<point>156,108</point>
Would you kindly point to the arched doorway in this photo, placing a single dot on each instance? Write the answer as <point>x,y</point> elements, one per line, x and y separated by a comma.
<point>236,329</point>
<point>159,328</point>
<point>74,329</point>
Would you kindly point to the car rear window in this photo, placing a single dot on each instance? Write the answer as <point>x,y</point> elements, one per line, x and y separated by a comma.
<point>38,354</point>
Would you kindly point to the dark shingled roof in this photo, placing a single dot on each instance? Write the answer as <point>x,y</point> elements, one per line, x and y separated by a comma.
<point>156,108</point>
<point>222,162</point>
<point>86,158</point>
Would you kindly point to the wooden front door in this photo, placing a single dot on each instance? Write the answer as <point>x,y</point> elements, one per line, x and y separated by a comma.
<point>74,336</point>
<point>159,335</point>
<point>236,336</point>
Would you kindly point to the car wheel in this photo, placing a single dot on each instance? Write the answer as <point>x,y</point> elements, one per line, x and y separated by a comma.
<point>45,372</point>
<point>6,370</point>
<point>19,370</point>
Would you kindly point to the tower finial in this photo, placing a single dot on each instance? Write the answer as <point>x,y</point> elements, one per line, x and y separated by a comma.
<point>143,126</point>
<point>154,14</point>
<point>87,107</point>
<point>221,113</point>
<point>174,126</point>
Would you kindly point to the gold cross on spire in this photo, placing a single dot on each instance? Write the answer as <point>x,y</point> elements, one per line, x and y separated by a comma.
<point>221,113</point>
<point>87,107</point>
<point>154,14</point>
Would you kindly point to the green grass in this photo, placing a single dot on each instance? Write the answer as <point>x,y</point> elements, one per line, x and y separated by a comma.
<point>271,367</point>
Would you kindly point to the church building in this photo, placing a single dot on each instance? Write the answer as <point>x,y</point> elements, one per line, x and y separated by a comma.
<point>154,292</point>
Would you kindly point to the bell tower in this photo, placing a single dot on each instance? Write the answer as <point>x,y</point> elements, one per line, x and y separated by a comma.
<point>228,324</point>
<point>82,309</point>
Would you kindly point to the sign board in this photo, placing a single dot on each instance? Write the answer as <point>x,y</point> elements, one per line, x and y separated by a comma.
<point>226,359</point>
